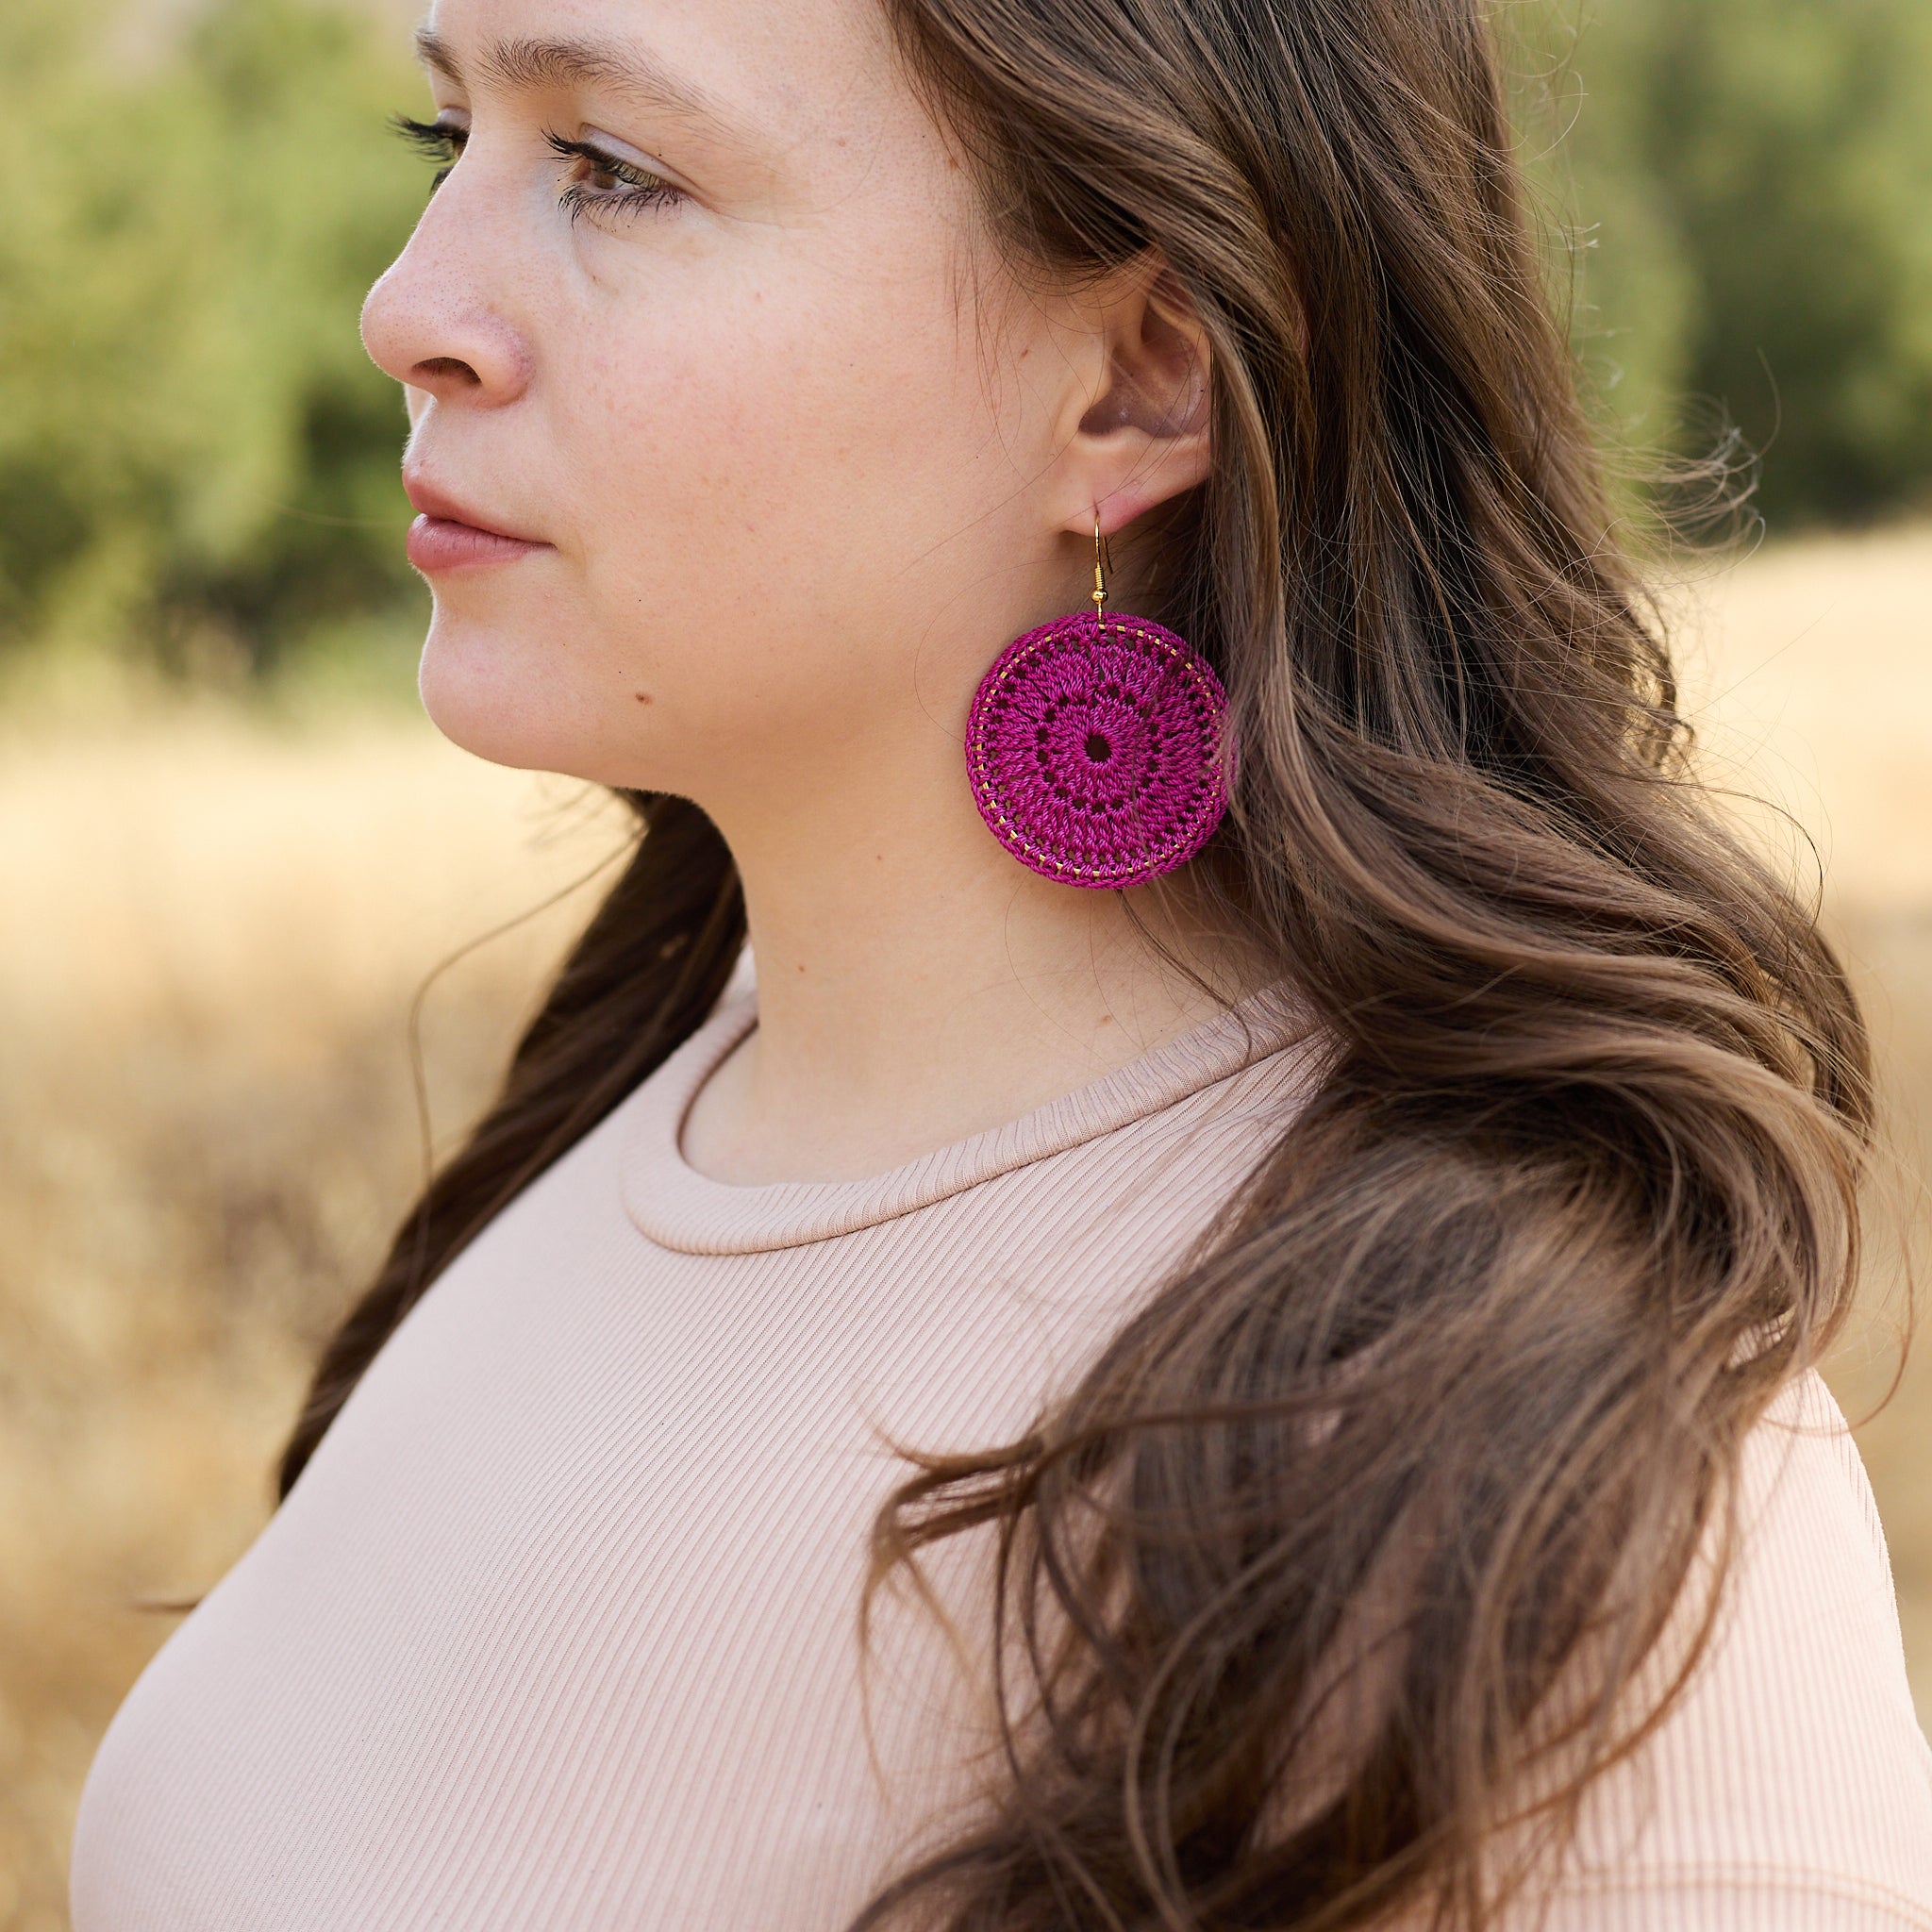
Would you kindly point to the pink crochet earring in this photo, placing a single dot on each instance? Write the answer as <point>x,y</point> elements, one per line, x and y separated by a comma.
<point>1094,746</point>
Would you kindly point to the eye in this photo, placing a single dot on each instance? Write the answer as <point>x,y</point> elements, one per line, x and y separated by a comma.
<point>607,183</point>
<point>442,139</point>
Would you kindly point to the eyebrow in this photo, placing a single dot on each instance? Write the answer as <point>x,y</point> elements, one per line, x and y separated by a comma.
<point>527,66</point>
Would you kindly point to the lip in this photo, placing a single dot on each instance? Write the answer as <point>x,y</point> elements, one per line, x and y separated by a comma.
<point>448,535</point>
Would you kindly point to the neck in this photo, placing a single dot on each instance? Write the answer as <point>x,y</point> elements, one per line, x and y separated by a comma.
<point>917,985</point>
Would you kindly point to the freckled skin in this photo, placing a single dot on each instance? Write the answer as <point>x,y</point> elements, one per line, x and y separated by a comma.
<point>785,341</point>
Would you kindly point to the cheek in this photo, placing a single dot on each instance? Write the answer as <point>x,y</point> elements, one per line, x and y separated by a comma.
<point>766,487</point>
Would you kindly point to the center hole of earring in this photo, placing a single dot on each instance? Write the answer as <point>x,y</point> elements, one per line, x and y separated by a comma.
<point>1097,748</point>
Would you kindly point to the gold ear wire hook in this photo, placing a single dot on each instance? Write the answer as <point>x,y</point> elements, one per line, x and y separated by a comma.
<point>1099,574</point>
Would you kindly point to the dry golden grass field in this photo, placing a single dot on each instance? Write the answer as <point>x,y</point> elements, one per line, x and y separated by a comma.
<point>216,916</point>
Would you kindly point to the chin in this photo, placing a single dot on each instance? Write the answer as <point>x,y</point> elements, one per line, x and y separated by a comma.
<point>485,692</point>
<point>513,696</point>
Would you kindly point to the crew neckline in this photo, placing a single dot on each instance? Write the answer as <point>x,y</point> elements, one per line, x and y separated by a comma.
<point>677,1208</point>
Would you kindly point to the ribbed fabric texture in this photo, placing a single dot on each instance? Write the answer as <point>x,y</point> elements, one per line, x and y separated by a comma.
<point>558,1628</point>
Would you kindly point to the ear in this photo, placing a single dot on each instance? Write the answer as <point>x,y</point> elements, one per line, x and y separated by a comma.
<point>1145,436</point>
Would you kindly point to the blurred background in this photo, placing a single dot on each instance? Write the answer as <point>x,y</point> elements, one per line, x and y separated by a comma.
<point>267,937</point>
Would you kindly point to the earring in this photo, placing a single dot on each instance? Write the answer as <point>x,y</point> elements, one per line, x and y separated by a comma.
<point>1094,746</point>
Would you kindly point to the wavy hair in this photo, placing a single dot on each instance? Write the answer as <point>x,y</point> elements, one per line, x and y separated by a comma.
<point>1355,1550</point>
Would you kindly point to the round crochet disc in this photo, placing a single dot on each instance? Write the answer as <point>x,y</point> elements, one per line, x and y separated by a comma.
<point>1094,750</point>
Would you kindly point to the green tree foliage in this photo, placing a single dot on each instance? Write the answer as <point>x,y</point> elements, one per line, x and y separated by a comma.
<point>195,452</point>
<point>193,447</point>
<point>1750,184</point>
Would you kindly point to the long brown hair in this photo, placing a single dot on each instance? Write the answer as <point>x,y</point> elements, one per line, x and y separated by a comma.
<point>1430,1433</point>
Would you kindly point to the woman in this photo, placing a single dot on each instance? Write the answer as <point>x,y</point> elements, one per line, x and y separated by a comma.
<point>1279,1391</point>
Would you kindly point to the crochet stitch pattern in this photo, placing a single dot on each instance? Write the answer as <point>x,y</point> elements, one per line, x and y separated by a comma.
<point>1093,748</point>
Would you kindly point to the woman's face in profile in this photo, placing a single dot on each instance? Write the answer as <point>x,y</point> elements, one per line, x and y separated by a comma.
<point>701,311</point>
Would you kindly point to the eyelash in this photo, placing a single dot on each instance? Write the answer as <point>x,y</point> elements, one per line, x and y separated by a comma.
<point>641,188</point>
<point>444,140</point>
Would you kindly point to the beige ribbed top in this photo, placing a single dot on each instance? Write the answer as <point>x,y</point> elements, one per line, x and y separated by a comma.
<point>557,1629</point>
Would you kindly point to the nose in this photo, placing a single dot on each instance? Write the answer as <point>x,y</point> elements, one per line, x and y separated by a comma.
<point>435,319</point>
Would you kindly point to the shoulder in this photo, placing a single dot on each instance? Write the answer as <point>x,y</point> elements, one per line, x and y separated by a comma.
<point>1792,1784</point>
